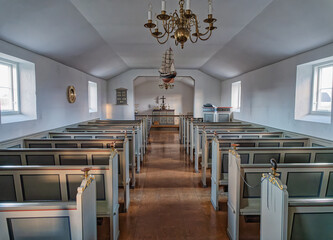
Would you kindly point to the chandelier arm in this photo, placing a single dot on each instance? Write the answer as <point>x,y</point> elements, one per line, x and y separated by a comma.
<point>162,42</point>
<point>167,26</point>
<point>158,37</point>
<point>205,39</point>
<point>197,27</point>
<point>194,41</point>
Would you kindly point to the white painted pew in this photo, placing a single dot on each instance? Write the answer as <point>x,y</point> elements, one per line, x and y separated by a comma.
<point>137,126</point>
<point>206,160</point>
<point>285,218</point>
<point>190,129</point>
<point>139,147</point>
<point>52,220</point>
<point>134,158</point>
<point>59,183</point>
<point>197,141</point>
<point>121,145</point>
<point>304,181</point>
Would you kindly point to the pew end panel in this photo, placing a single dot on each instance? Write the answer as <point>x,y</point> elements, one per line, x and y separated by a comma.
<point>274,208</point>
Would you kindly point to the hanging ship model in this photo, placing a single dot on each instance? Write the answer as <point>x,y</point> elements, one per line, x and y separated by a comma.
<point>167,70</point>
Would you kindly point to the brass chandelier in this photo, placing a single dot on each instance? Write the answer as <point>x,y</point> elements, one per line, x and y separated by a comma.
<point>179,26</point>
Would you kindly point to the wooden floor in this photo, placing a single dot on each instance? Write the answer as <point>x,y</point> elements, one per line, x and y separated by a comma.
<point>168,201</point>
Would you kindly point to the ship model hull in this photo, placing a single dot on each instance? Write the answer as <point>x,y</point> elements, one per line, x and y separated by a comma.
<point>167,70</point>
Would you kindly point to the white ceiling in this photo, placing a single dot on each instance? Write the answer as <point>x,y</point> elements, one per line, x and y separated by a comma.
<point>107,37</point>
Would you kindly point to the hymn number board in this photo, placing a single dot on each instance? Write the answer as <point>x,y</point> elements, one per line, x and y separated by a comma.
<point>121,96</point>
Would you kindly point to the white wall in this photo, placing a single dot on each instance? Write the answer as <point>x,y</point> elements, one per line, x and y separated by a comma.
<point>180,98</point>
<point>53,109</point>
<point>268,95</point>
<point>206,90</point>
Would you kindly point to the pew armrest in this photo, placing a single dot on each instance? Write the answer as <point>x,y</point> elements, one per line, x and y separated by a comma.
<point>38,206</point>
<point>310,202</point>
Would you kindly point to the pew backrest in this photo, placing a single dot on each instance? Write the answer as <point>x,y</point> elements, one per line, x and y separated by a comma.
<point>59,183</point>
<point>63,220</point>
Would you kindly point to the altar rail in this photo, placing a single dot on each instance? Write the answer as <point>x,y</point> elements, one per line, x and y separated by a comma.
<point>66,220</point>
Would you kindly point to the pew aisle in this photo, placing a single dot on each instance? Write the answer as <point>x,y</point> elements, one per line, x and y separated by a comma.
<point>169,202</point>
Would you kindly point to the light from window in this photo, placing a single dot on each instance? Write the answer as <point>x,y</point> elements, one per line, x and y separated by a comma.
<point>92,96</point>
<point>8,88</point>
<point>236,96</point>
<point>322,88</point>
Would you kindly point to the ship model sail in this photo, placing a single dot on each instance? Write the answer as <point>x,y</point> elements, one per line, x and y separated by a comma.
<point>167,70</point>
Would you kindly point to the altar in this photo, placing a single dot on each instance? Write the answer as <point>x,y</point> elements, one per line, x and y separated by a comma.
<point>160,115</point>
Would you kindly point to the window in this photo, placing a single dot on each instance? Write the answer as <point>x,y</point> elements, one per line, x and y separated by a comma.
<point>9,97</point>
<point>322,88</point>
<point>121,96</point>
<point>92,96</point>
<point>236,96</point>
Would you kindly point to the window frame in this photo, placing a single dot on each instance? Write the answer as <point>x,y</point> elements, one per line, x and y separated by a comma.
<point>315,89</point>
<point>239,91</point>
<point>14,68</point>
<point>89,92</point>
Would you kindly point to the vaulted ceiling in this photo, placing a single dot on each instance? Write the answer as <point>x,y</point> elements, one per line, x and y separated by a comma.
<point>107,37</point>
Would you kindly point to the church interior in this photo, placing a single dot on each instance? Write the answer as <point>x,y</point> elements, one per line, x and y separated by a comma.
<point>166,119</point>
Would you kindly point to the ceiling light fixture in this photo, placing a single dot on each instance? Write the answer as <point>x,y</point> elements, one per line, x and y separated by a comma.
<point>179,26</point>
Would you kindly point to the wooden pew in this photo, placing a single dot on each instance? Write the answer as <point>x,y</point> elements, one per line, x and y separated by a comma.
<point>122,147</point>
<point>189,129</point>
<point>309,180</point>
<point>206,162</point>
<point>134,158</point>
<point>196,139</point>
<point>204,144</point>
<point>59,184</point>
<point>293,152</point>
<point>139,148</point>
<point>138,126</point>
<point>144,121</point>
<point>284,218</point>
<point>52,220</point>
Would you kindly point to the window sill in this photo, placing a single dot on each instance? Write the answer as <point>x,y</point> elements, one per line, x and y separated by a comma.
<point>316,118</point>
<point>15,118</point>
<point>236,110</point>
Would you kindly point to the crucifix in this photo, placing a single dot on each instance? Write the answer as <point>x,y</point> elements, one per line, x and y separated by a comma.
<point>163,104</point>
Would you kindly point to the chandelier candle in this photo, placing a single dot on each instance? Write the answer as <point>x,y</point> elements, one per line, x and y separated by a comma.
<point>182,25</point>
<point>188,4</point>
<point>163,5</point>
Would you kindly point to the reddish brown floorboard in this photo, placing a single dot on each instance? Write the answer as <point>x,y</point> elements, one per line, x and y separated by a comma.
<point>168,201</point>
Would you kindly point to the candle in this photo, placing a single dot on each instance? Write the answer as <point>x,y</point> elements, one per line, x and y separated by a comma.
<point>150,12</point>
<point>156,23</point>
<point>188,4</point>
<point>210,7</point>
<point>163,5</point>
